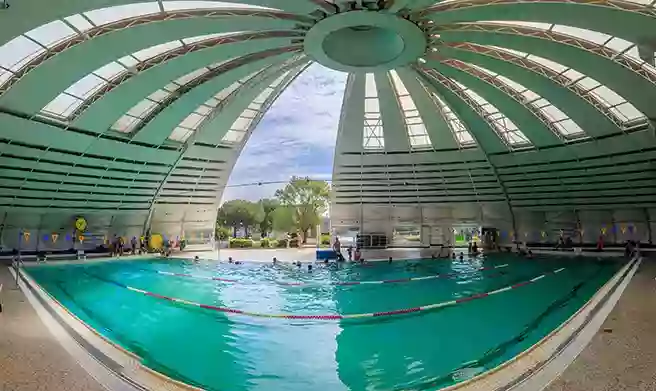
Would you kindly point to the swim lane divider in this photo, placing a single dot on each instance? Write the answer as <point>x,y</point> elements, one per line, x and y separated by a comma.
<point>334,316</point>
<point>339,283</point>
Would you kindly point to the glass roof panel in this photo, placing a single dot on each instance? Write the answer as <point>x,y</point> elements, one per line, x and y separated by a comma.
<point>79,22</point>
<point>112,14</point>
<point>192,4</point>
<point>51,33</point>
<point>18,52</point>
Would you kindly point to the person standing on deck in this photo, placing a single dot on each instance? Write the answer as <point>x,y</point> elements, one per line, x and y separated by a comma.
<point>337,247</point>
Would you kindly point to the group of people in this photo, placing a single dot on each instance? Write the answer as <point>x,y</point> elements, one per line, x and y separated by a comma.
<point>117,247</point>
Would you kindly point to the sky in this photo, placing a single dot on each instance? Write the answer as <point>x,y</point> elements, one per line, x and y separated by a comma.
<point>295,137</point>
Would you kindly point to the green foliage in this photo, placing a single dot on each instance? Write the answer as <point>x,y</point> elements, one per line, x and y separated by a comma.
<point>283,219</point>
<point>237,213</point>
<point>265,243</point>
<point>413,238</point>
<point>307,200</point>
<point>325,239</point>
<point>223,233</point>
<point>281,243</point>
<point>268,206</point>
<point>240,243</point>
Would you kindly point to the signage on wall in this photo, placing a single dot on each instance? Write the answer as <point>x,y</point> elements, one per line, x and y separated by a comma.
<point>81,238</point>
<point>603,230</point>
<point>54,236</point>
<point>80,224</point>
<point>26,236</point>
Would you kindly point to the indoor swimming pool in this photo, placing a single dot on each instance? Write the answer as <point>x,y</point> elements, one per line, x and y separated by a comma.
<point>411,325</point>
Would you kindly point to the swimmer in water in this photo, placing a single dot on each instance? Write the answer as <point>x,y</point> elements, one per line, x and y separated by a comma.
<point>275,260</point>
<point>462,255</point>
<point>310,268</point>
<point>389,260</point>
<point>230,260</point>
<point>299,264</point>
<point>196,259</point>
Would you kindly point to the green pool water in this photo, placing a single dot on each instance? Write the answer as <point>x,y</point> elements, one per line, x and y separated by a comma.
<point>420,351</point>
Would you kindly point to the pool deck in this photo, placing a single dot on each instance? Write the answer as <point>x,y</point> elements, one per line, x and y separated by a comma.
<point>621,356</point>
<point>30,356</point>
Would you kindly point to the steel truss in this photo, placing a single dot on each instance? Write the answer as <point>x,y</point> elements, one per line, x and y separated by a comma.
<point>210,75</point>
<point>171,54</point>
<point>141,20</point>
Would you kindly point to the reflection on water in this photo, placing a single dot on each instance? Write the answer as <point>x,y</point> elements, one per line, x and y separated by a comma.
<point>423,350</point>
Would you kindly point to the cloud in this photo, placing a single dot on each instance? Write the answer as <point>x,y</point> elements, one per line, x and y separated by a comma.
<point>295,137</point>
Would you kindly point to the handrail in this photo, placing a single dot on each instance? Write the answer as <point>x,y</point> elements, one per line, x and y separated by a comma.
<point>0,297</point>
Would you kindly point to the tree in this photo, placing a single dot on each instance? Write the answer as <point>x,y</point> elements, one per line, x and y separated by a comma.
<point>239,213</point>
<point>269,206</point>
<point>307,200</point>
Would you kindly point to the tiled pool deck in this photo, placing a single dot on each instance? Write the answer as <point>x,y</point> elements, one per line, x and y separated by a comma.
<point>621,356</point>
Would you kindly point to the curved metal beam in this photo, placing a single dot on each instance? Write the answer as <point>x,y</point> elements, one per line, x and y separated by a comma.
<point>209,76</point>
<point>431,77</point>
<point>175,53</point>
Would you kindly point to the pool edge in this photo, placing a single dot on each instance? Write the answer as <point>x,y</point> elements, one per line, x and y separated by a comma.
<point>113,366</point>
<point>520,372</point>
<point>501,378</point>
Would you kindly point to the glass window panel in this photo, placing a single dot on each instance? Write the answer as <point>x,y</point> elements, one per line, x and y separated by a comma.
<point>554,113</point>
<point>607,95</point>
<point>86,86</point>
<point>628,111</point>
<point>541,103</point>
<point>190,76</point>
<point>142,108</point>
<point>548,63</point>
<point>180,134</point>
<point>398,83</point>
<point>512,84</point>
<point>125,124</point>
<point>372,115</point>
<point>530,96</point>
<point>233,137</point>
<point>79,22</point>
<point>128,61</point>
<point>112,14</point>
<point>194,4</point>
<point>51,33</point>
<point>212,102</point>
<point>18,52</point>
<point>416,130</point>
<point>203,110</point>
<point>370,86</point>
<point>412,113</point>
<point>371,105</point>
<point>199,38</point>
<point>420,141</point>
<point>150,52</point>
<point>159,95</point>
<point>573,75</point>
<point>4,76</point>
<point>241,124</point>
<point>192,121</point>
<point>594,36</point>
<point>63,105</point>
<point>413,120</point>
<point>227,91</point>
<point>588,83</point>
<point>264,95</point>
<point>407,103</point>
<point>171,87</point>
<point>618,44</point>
<point>568,128</point>
<point>248,113</point>
<point>110,70</point>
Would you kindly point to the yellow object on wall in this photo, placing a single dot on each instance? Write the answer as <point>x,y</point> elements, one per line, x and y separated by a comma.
<point>156,241</point>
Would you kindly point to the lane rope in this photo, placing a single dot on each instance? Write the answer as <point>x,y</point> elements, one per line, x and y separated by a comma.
<point>333,283</point>
<point>335,316</point>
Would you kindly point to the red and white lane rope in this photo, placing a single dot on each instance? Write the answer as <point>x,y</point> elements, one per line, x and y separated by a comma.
<point>337,316</point>
<point>334,283</point>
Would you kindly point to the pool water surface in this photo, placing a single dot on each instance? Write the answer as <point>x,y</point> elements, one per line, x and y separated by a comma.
<point>422,350</point>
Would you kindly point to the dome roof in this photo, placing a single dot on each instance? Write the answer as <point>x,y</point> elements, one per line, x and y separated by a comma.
<point>469,110</point>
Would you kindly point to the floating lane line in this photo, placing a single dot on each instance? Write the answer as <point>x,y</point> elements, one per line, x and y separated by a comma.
<point>338,283</point>
<point>335,316</point>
